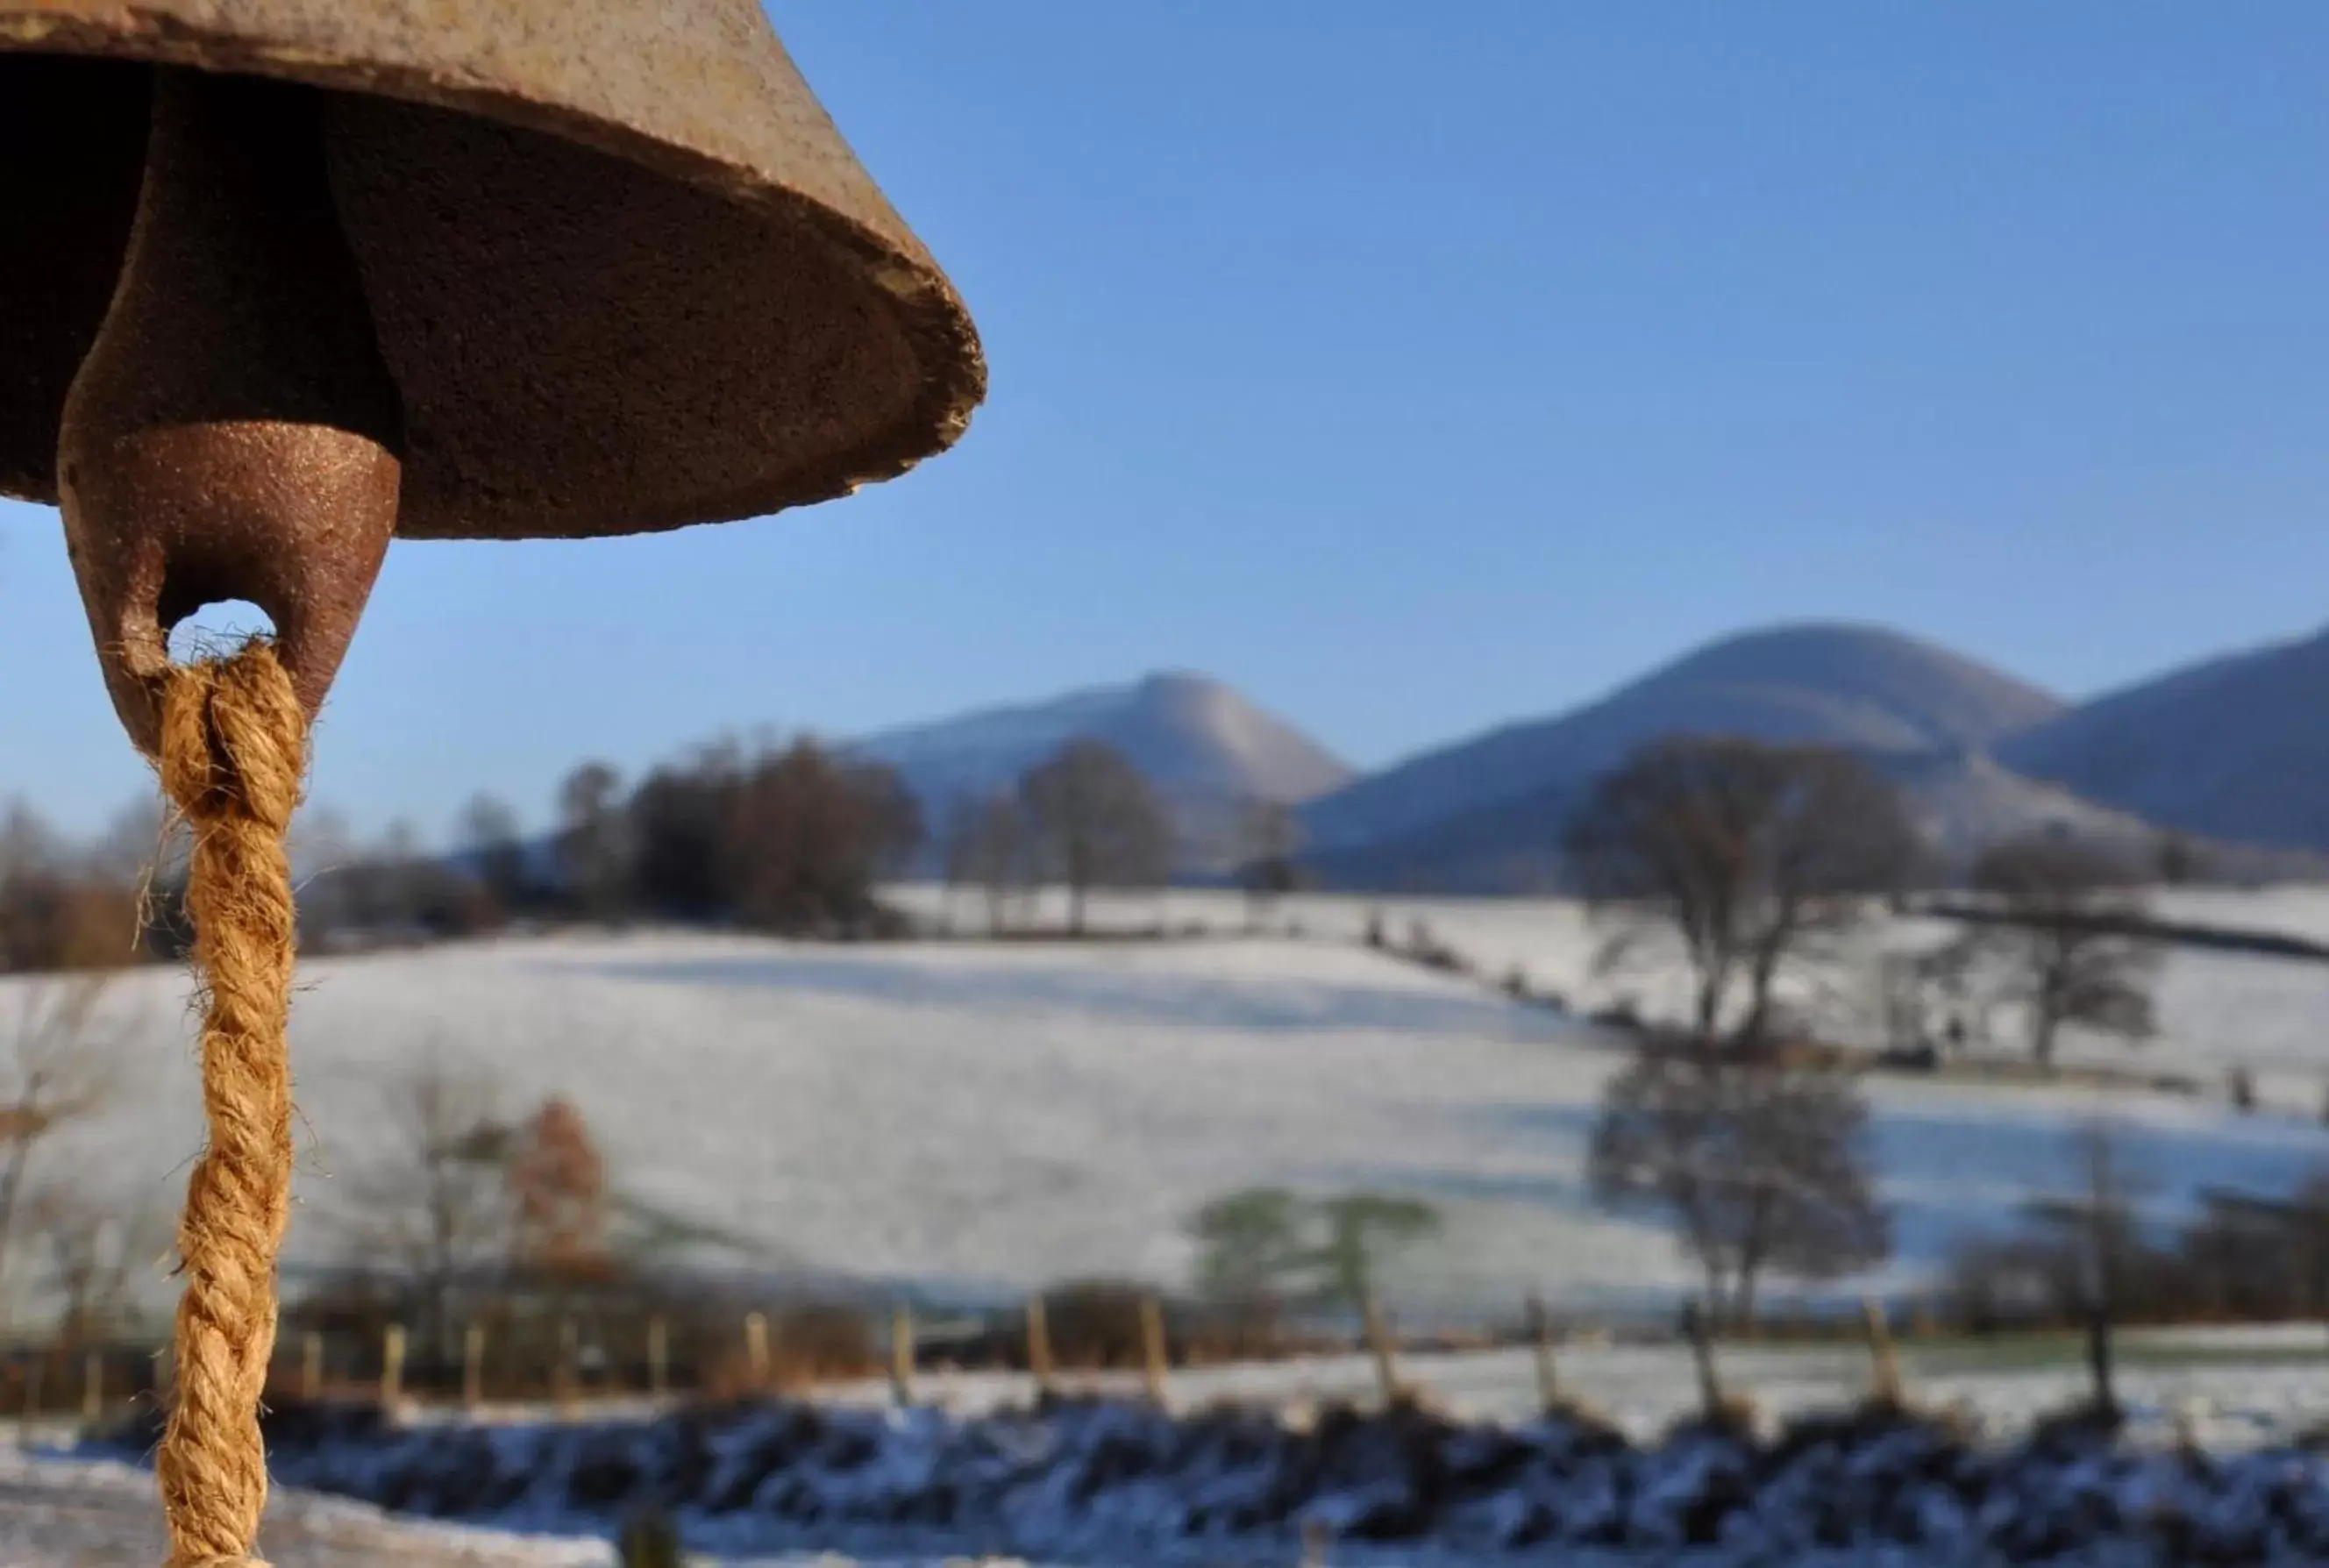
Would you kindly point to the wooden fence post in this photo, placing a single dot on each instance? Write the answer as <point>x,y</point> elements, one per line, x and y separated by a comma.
<point>311,1366</point>
<point>391,1365</point>
<point>92,1386</point>
<point>2099,1354</point>
<point>1922,1319</point>
<point>1378,1344</point>
<point>648,1540</point>
<point>1701,1350</point>
<point>901,1353</point>
<point>1548,1378</point>
<point>658,1356</point>
<point>1884,1384</point>
<point>756,1348</point>
<point>1154,1357</point>
<point>1039,1345</point>
<point>33,1378</point>
<point>570,1345</point>
<point>473,1366</point>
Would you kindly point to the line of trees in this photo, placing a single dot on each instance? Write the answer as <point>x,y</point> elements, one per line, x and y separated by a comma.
<point>791,838</point>
<point>1084,819</point>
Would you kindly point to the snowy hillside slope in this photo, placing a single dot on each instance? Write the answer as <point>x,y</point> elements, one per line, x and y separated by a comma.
<point>977,1120</point>
<point>2217,1010</point>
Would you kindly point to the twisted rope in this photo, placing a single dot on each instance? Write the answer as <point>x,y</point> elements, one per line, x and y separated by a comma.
<point>233,754</point>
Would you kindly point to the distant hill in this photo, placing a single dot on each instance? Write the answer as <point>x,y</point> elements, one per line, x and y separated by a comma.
<point>2234,747</point>
<point>1961,802</point>
<point>2231,753</point>
<point>1206,748</point>
<point>1860,688</point>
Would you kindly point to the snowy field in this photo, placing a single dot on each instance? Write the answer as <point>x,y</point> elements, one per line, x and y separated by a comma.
<point>2217,1010</point>
<point>980,1119</point>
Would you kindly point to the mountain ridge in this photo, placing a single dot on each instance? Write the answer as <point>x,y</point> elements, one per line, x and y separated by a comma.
<point>1208,750</point>
<point>1978,754</point>
<point>1834,683</point>
<point>2231,745</point>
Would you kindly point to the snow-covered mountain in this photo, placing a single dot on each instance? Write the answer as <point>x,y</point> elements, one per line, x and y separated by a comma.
<point>1206,748</point>
<point>1979,757</point>
<point>2229,752</point>
<point>2235,748</point>
<point>1863,687</point>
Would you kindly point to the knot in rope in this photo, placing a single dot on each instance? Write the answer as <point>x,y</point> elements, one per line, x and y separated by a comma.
<point>234,740</point>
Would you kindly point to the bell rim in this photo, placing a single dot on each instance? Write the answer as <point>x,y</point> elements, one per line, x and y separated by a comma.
<point>930,311</point>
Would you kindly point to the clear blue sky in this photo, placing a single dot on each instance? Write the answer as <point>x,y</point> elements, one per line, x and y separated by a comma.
<point>1418,366</point>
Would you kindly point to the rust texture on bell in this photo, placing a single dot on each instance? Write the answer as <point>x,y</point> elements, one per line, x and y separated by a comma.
<point>282,276</point>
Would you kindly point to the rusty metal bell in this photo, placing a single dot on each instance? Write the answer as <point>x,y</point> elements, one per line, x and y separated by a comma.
<point>620,271</point>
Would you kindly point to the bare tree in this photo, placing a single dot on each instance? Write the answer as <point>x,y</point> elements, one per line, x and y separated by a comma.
<point>895,825</point>
<point>94,1252</point>
<point>61,1065</point>
<point>2178,860</point>
<point>1096,822</point>
<point>1762,1168</point>
<point>1269,835</point>
<point>2103,1222</point>
<point>790,839</point>
<point>435,1205</point>
<point>1755,856</point>
<point>810,835</point>
<point>1920,1000</point>
<point>593,840</point>
<point>497,849</point>
<point>2065,945</point>
<point>61,910</point>
<point>990,847</point>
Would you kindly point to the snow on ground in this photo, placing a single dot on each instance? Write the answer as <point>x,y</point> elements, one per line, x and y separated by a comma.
<point>2237,1387</point>
<point>1114,1488</point>
<point>79,1513</point>
<point>2296,910</point>
<point>2217,1010</point>
<point>1118,1484</point>
<point>984,1120</point>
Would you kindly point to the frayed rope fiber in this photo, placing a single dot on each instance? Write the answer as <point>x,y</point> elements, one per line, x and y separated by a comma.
<point>234,759</point>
